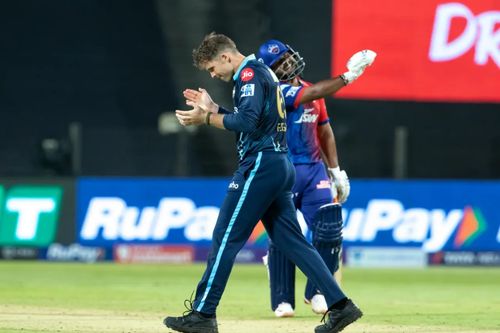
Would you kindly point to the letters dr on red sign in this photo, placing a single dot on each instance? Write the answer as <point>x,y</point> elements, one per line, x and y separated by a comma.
<point>428,50</point>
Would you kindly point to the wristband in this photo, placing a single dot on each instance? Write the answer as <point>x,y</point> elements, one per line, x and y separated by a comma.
<point>207,118</point>
<point>343,78</point>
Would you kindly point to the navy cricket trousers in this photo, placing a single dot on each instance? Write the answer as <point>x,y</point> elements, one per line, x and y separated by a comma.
<point>260,190</point>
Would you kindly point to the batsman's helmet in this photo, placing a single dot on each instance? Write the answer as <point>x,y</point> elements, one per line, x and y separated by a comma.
<point>282,59</point>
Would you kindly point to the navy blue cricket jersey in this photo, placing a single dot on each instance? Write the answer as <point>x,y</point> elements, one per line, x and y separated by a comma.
<point>259,117</point>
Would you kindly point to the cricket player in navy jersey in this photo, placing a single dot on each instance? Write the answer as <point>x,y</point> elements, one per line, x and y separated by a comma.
<point>311,144</point>
<point>260,188</point>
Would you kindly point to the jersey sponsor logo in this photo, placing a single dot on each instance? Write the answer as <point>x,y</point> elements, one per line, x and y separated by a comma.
<point>246,74</point>
<point>292,91</point>
<point>433,228</point>
<point>479,33</point>
<point>233,185</point>
<point>307,116</point>
<point>248,90</point>
<point>323,184</point>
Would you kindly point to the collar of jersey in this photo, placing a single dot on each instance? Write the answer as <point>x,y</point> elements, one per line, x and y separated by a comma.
<point>243,64</point>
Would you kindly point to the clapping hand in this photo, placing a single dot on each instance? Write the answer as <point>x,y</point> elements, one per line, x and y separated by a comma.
<point>201,102</point>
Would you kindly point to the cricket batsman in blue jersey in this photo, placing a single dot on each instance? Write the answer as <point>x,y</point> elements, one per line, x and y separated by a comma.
<point>311,145</point>
<point>260,188</point>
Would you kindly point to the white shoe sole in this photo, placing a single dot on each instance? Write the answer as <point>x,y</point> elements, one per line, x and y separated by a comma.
<point>284,314</point>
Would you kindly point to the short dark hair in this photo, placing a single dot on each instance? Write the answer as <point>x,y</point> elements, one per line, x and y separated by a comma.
<point>210,47</point>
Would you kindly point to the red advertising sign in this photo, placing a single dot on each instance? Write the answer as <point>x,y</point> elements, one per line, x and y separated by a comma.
<point>428,50</point>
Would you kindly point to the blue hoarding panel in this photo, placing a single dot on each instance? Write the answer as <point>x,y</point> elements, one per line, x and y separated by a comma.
<point>131,210</point>
<point>432,215</point>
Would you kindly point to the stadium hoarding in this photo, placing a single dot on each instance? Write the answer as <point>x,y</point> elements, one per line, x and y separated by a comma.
<point>75,252</point>
<point>427,50</point>
<point>18,253</point>
<point>124,253</point>
<point>147,211</point>
<point>388,257</point>
<point>431,216</point>
<point>465,258</point>
<point>34,213</point>
<point>155,220</point>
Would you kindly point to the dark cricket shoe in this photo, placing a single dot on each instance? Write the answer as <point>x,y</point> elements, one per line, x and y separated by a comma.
<point>337,320</point>
<point>192,322</point>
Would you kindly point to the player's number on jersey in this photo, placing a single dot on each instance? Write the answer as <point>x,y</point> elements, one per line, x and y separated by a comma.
<point>280,102</point>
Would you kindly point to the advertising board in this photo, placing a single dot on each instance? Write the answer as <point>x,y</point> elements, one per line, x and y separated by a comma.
<point>430,50</point>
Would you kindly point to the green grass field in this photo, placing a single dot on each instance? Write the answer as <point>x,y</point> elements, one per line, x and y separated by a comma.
<point>71,297</point>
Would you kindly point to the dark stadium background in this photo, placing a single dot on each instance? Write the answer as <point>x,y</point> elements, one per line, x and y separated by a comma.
<point>108,69</point>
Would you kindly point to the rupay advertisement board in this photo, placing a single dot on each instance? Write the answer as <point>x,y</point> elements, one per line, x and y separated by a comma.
<point>431,215</point>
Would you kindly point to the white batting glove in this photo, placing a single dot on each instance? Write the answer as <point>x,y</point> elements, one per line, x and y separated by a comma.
<point>340,184</point>
<point>357,65</point>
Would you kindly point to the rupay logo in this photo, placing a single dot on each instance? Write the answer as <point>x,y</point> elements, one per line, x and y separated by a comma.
<point>432,228</point>
<point>110,218</point>
<point>473,224</point>
<point>29,215</point>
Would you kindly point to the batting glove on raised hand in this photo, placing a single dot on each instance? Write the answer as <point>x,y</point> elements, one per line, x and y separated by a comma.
<point>357,65</point>
<point>340,184</point>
